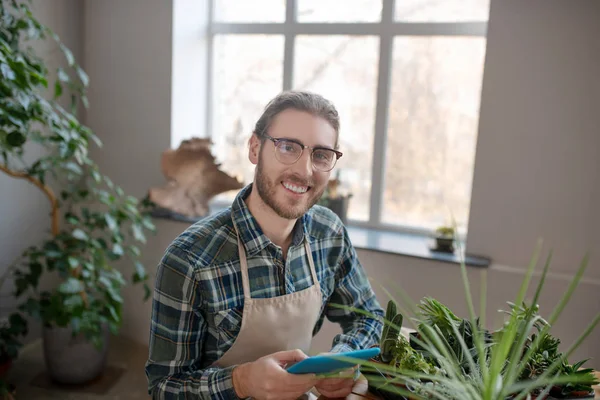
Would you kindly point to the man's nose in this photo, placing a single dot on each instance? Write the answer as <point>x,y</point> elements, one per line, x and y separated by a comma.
<point>304,165</point>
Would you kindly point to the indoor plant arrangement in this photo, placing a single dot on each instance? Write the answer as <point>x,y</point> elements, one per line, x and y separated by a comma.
<point>93,222</point>
<point>454,358</point>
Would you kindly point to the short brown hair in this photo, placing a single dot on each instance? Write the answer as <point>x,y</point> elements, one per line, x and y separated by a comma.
<point>309,102</point>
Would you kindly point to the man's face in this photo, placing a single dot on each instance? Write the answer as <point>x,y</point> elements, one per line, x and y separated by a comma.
<point>290,190</point>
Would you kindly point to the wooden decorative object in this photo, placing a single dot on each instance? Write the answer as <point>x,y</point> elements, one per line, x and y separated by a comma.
<point>193,178</point>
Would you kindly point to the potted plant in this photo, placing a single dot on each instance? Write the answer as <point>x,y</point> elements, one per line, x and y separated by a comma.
<point>10,343</point>
<point>93,223</point>
<point>444,239</point>
<point>519,360</point>
<point>335,200</point>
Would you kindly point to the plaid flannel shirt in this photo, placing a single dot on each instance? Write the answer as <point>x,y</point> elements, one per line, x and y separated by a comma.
<point>198,297</point>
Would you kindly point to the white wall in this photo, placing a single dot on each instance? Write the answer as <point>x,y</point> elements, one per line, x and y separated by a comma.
<point>128,58</point>
<point>536,165</point>
<point>24,210</point>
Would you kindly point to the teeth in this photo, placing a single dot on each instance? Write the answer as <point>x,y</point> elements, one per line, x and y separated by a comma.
<point>294,188</point>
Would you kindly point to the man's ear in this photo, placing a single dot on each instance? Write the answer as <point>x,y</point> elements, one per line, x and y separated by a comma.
<point>254,148</point>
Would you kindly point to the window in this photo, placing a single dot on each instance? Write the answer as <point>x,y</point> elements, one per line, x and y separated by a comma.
<point>405,76</point>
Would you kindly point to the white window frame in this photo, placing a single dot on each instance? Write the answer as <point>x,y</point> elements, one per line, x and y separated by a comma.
<point>386,30</point>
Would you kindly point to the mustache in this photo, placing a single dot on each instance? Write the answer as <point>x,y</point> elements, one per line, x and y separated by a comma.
<point>298,180</point>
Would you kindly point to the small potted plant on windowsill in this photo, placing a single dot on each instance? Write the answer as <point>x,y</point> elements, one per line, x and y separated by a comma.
<point>444,239</point>
<point>335,199</point>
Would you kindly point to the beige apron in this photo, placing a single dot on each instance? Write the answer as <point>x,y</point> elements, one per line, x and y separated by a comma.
<point>274,324</point>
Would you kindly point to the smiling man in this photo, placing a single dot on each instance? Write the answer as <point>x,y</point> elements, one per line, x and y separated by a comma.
<point>240,294</point>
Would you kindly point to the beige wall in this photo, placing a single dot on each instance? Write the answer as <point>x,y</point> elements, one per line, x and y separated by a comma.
<point>537,161</point>
<point>24,209</point>
<point>536,165</point>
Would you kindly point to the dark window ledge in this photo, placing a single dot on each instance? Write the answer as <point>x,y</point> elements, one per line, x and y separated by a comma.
<point>402,244</point>
<point>409,245</point>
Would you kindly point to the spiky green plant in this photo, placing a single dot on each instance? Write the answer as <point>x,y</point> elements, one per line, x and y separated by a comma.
<point>473,364</point>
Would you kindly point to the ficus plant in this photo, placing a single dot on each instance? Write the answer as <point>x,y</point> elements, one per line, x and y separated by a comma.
<point>92,222</point>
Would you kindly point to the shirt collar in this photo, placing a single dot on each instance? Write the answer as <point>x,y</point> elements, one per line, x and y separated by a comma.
<point>250,232</point>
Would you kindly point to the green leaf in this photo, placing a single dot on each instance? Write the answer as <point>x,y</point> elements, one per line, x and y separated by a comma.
<point>57,89</point>
<point>97,177</point>
<point>53,254</point>
<point>85,80</point>
<point>31,307</point>
<point>35,273</point>
<point>147,222</point>
<point>71,286</point>
<point>7,72</point>
<point>73,220</point>
<point>134,250</point>
<point>80,234</point>
<point>114,328</point>
<point>113,313</point>
<point>17,323</point>
<point>21,285</point>
<point>73,262</point>
<point>15,139</point>
<point>111,222</point>
<point>140,272</point>
<point>109,183</point>
<point>88,266</point>
<point>118,249</point>
<point>68,55</point>
<point>73,301</point>
<point>138,234</point>
<point>62,75</point>
<point>73,167</point>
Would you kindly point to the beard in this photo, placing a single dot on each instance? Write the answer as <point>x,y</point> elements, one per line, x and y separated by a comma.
<point>288,209</point>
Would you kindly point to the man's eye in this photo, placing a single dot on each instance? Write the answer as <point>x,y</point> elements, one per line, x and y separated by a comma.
<point>322,155</point>
<point>288,147</point>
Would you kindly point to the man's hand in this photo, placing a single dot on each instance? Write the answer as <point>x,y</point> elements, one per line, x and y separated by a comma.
<point>337,387</point>
<point>266,379</point>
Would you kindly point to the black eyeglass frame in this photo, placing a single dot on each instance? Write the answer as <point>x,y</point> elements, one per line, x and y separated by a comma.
<point>275,141</point>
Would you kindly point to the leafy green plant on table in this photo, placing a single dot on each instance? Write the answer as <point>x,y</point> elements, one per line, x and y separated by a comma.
<point>93,222</point>
<point>520,360</point>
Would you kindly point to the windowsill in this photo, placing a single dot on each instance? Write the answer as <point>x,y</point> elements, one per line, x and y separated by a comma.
<point>409,245</point>
<point>402,244</point>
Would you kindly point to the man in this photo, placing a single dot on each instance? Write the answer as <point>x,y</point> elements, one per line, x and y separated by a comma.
<point>240,294</point>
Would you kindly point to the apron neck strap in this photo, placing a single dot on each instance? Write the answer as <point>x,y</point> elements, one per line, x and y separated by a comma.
<point>244,268</point>
<point>309,254</point>
<point>244,265</point>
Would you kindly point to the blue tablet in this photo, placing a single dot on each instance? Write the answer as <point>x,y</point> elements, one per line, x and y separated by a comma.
<point>326,363</point>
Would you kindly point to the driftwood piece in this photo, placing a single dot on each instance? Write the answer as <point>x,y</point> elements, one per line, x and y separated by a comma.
<point>193,178</point>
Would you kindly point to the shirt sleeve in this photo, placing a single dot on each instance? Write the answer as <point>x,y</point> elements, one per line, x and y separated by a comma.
<point>177,334</point>
<point>353,292</point>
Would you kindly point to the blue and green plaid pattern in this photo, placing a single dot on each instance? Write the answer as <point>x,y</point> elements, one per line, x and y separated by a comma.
<point>198,297</point>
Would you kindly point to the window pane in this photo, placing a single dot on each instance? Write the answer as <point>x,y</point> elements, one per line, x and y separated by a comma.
<point>247,73</point>
<point>344,70</point>
<point>442,10</point>
<point>339,11</point>
<point>434,107</point>
<point>249,11</point>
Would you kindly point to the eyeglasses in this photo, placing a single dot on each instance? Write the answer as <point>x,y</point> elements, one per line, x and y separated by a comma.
<point>288,151</point>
